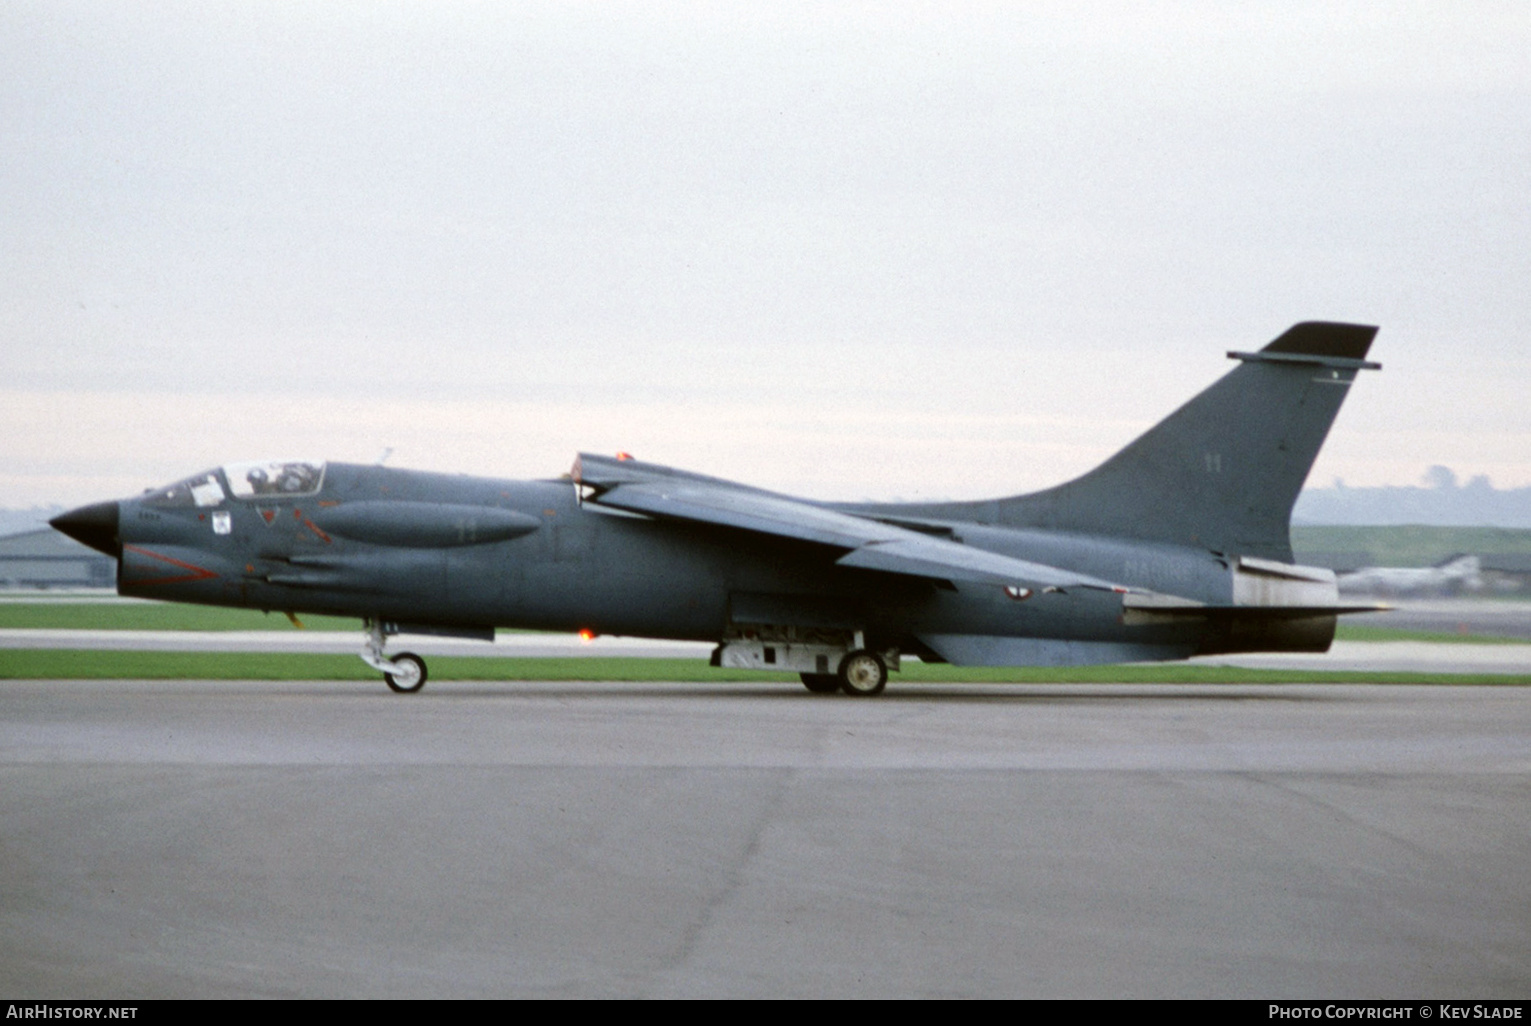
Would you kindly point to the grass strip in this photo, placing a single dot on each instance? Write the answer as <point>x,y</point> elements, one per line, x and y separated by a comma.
<point>79,664</point>
<point>167,616</point>
<point>1406,545</point>
<point>1357,632</point>
<point>156,616</point>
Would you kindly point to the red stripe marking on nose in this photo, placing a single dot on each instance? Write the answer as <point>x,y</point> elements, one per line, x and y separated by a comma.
<point>198,573</point>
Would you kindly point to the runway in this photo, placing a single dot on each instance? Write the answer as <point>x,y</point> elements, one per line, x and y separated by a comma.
<point>324,839</point>
<point>1497,617</point>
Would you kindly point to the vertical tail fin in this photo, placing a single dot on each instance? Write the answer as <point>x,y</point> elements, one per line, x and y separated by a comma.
<point>1223,471</point>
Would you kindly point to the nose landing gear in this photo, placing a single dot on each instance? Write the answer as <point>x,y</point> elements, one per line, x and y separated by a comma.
<point>404,672</point>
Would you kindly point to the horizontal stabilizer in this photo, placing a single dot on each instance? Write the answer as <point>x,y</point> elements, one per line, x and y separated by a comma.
<point>1145,612</point>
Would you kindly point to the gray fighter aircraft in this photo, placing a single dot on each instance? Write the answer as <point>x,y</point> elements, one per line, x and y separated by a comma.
<point>1451,576</point>
<point>1178,545</point>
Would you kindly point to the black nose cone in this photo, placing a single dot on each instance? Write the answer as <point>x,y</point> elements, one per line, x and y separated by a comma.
<point>94,525</point>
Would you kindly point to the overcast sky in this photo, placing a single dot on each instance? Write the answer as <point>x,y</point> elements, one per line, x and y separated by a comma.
<point>847,251</point>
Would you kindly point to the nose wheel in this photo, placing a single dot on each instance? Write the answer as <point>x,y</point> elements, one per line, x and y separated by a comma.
<point>404,672</point>
<point>408,675</point>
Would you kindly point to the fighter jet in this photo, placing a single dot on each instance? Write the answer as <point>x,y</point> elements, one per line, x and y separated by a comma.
<point>1178,545</point>
<point>1452,575</point>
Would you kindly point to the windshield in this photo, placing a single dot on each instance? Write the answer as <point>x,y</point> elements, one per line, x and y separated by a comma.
<point>275,478</point>
<point>198,490</point>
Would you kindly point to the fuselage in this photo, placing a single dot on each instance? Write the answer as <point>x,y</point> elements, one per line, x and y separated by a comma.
<point>458,551</point>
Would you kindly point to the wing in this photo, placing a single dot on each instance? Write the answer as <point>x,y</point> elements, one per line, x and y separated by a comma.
<point>669,494</point>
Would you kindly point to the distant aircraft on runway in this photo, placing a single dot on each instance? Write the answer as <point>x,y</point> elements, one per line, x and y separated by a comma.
<point>1178,545</point>
<point>1451,576</point>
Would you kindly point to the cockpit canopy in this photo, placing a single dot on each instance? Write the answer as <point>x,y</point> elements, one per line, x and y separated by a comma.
<point>274,477</point>
<point>261,479</point>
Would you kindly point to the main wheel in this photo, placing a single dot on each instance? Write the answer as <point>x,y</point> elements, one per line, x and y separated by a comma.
<point>863,674</point>
<point>409,672</point>
<point>821,683</point>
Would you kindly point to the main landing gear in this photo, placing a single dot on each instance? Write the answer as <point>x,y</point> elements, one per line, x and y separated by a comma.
<point>404,672</point>
<point>862,675</point>
<point>827,659</point>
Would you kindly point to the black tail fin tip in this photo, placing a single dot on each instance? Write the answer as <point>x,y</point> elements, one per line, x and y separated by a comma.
<point>1325,338</point>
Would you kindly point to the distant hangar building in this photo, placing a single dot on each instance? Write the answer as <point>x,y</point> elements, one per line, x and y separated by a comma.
<point>46,559</point>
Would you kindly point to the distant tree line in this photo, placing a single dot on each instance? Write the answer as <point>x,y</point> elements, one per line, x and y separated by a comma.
<point>1438,501</point>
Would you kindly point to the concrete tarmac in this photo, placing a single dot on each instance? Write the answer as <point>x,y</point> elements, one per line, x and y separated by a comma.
<point>180,839</point>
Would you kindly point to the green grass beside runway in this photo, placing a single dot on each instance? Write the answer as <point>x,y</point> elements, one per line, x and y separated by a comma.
<point>1360,632</point>
<point>156,616</point>
<point>1408,544</point>
<point>76,664</point>
<point>167,616</point>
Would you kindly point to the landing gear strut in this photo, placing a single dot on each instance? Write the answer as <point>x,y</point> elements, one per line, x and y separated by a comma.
<point>404,672</point>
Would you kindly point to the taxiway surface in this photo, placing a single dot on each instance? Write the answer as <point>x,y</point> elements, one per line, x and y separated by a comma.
<point>317,839</point>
